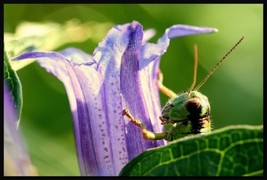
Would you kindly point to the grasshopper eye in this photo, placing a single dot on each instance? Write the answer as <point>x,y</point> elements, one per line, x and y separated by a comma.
<point>193,105</point>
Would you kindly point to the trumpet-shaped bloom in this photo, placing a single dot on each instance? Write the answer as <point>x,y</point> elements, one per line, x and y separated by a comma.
<point>121,73</point>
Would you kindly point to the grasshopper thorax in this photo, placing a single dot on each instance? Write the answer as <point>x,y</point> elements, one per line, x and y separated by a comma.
<point>190,111</point>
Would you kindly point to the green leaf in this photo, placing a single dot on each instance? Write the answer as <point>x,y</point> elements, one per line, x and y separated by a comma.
<point>13,83</point>
<point>230,151</point>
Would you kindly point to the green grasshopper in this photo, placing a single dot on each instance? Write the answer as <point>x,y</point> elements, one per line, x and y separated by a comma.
<point>184,114</point>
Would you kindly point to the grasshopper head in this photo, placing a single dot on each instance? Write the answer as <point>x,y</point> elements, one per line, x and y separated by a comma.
<point>185,108</point>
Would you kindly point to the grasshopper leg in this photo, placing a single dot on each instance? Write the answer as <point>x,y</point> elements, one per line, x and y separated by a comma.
<point>149,135</point>
<point>163,88</point>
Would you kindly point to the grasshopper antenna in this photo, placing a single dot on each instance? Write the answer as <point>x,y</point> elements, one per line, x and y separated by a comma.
<point>195,68</point>
<point>218,64</point>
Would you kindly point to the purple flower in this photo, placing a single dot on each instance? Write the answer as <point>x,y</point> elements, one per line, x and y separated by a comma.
<point>121,73</point>
<point>16,159</point>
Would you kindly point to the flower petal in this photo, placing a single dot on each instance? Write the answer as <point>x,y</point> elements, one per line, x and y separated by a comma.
<point>60,66</point>
<point>100,141</point>
<point>78,57</point>
<point>111,53</point>
<point>151,52</point>
<point>183,30</point>
<point>148,34</point>
<point>16,160</point>
<point>131,89</point>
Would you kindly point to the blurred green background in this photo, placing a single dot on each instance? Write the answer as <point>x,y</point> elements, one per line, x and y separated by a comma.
<point>235,90</point>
